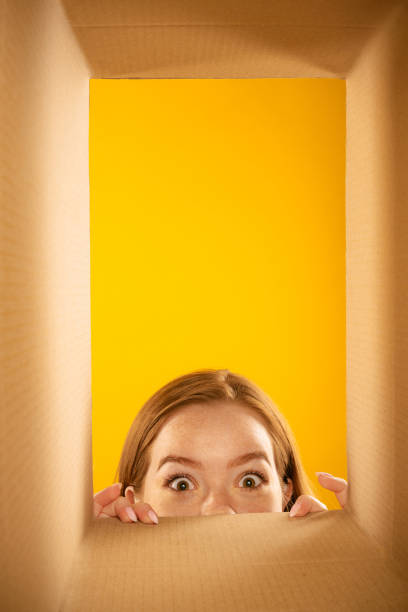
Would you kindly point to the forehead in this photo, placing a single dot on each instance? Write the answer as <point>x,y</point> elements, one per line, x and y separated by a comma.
<point>217,428</point>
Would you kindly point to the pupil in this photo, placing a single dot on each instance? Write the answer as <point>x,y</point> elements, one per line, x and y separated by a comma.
<point>182,484</point>
<point>248,480</point>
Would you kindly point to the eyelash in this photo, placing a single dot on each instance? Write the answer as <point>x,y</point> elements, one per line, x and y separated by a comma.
<point>175,476</point>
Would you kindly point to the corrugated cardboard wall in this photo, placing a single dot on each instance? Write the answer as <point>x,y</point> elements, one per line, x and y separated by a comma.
<point>399,195</point>
<point>376,265</point>
<point>228,38</point>
<point>45,358</point>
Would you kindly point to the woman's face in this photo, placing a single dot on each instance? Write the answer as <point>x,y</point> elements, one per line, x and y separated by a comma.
<point>212,437</point>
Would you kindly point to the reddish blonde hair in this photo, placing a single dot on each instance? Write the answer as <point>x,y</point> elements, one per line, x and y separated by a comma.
<point>206,386</point>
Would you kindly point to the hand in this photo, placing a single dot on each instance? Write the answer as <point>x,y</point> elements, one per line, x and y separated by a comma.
<point>306,503</point>
<point>110,503</point>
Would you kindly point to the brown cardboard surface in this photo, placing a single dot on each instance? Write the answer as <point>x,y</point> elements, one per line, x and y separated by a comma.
<point>45,366</point>
<point>53,553</point>
<point>360,13</point>
<point>224,39</point>
<point>221,52</point>
<point>240,562</point>
<point>376,220</point>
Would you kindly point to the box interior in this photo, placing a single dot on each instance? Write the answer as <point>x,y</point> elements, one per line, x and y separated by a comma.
<point>54,554</point>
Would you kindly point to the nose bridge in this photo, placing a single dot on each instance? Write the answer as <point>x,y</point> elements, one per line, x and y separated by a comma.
<point>217,501</point>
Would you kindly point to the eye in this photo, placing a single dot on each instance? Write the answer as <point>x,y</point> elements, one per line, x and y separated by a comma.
<point>248,480</point>
<point>182,478</point>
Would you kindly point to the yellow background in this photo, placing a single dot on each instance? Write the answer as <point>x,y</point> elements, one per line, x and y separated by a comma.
<point>217,222</point>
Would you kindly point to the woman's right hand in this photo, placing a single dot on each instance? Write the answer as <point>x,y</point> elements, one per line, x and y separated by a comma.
<point>110,503</point>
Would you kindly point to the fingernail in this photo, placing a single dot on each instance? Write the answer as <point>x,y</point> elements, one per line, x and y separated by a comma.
<point>131,514</point>
<point>153,516</point>
<point>131,489</point>
<point>323,474</point>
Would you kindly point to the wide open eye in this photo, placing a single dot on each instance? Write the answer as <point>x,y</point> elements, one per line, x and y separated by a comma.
<point>181,485</point>
<point>249,482</point>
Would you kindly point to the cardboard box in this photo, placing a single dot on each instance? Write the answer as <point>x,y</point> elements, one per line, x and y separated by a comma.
<point>54,555</point>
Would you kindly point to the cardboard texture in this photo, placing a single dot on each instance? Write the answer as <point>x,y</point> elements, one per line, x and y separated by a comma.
<point>54,555</point>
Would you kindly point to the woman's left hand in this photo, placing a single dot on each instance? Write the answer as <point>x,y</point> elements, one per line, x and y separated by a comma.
<point>306,503</point>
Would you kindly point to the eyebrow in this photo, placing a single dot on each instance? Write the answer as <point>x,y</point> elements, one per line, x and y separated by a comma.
<point>197,464</point>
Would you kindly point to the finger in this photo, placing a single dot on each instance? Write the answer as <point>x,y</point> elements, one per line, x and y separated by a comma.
<point>106,496</point>
<point>127,514</point>
<point>339,486</point>
<point>122,507</point>
<point>144,513</point>
<point>306,504</point>
<point>116,509</point>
